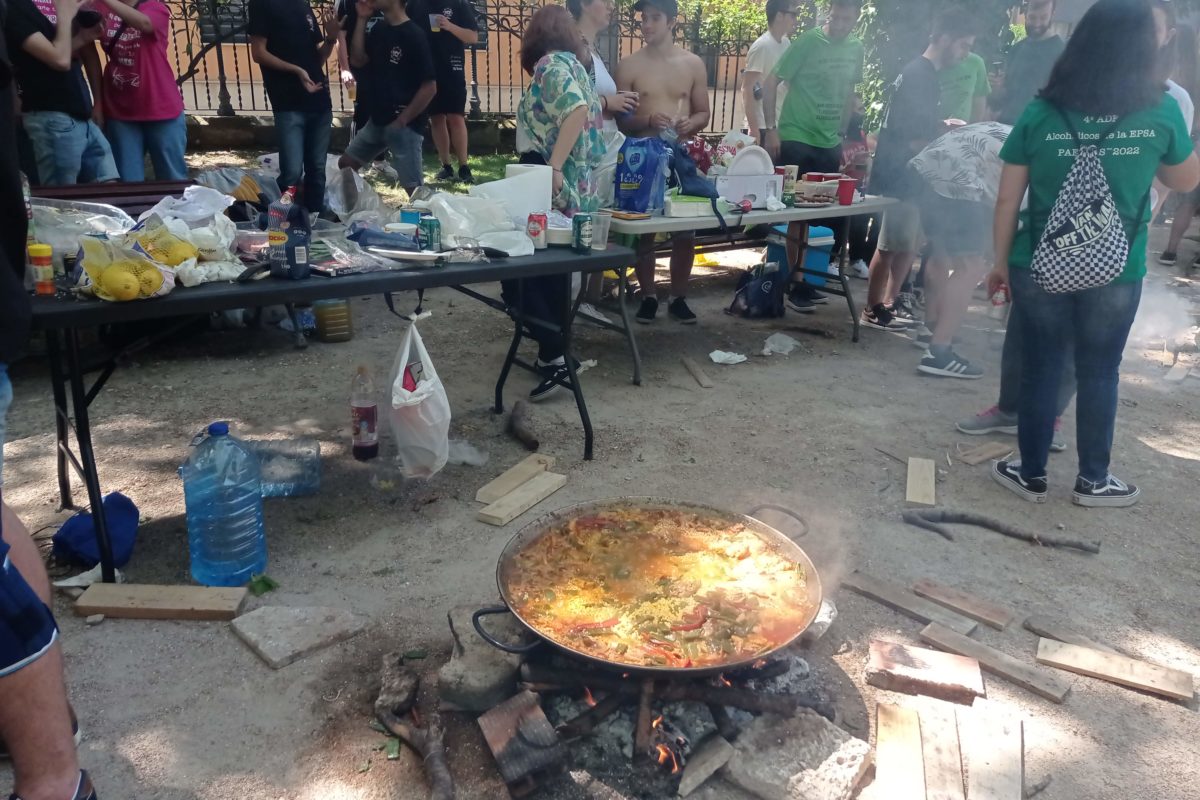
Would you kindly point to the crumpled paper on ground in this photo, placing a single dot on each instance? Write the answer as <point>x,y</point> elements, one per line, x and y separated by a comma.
<point>85,579</point>
<point>722,357</point>
<point>779,343</point>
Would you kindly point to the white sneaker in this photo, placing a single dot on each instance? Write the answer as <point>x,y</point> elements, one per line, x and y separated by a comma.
<point>591,312</point>
<point>860,270</point>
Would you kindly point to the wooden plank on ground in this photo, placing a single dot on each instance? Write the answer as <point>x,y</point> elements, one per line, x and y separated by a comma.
<point>900,599</point>
<point>1053,629</point>
<point>521,499</point>
<point>898,762</point>
<point>145,601</point>
<point>1029,677</point>
<point>988,451</point>
<point>964,603</point>
<point>916,670</point>
<point>922,482</point>
<point>1173,683</point>
<point>995,755</point>
<point>513,477</point>
<point>943,756</point>
<point>697,373</point>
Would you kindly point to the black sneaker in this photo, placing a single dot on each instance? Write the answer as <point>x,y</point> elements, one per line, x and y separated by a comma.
<point>800,304</point>
<point>1008,475</point>
<point>464,175</point>
<point>1168,257</point>
<point>1109,493</point>
<point>678,310</point>
<point>881,319</point>
<point>905,308</point>
<point>549,386</point>
<point>445,174</point>
<point>810,294</point>
<point>949,365</point>
<point>648,311</point>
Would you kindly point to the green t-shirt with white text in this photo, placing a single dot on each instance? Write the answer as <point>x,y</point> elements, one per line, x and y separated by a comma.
<point>960,85</point>
<point>820,77</point>
<point>1141,142</point>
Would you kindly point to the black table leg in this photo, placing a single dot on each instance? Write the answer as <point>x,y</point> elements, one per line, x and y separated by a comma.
<point>622,290</point>
<point>61,415</point>
<point>571,306</point>
<point>843,263</point>
<point>508,365</point>
<point>83,435</point>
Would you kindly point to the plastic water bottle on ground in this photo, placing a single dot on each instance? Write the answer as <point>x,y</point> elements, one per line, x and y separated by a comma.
<point>223,496</point>
<point>364,416</point>
<point>288,467</point>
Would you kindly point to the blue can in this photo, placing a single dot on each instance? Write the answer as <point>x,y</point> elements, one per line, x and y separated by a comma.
<point>411,216</point>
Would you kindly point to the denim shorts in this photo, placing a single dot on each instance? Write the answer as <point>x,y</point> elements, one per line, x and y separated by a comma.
<point>69,150</point>
<point>404,143</point>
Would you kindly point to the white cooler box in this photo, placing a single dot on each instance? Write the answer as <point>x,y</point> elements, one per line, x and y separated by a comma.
<point>755,188</point>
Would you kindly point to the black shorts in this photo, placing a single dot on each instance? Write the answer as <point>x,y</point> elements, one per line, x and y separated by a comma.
<point>451,97</point>
<point>810,159</point>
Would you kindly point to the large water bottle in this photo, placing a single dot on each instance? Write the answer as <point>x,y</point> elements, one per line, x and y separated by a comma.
<point>223,495</point>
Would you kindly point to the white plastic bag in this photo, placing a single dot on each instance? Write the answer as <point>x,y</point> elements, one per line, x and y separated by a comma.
<point>347,195</point>
<point>197,207</point>
<point>420,416</point>
<point>469,217</point>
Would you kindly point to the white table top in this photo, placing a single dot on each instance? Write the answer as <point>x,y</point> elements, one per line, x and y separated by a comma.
<point>870,205</point>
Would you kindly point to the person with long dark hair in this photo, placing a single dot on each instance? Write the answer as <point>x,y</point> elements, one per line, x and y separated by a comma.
<point>1104,92</point>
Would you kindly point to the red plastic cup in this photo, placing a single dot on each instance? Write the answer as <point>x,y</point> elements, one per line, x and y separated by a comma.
<point>846,189</point>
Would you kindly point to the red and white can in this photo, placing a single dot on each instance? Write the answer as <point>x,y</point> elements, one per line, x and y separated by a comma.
<point>536,228</point>
<point>1000,299</point>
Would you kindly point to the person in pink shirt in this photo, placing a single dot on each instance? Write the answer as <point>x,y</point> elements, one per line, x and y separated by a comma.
<point>143,109</point>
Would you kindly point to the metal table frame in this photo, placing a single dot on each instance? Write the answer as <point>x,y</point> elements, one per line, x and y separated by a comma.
<point>61,319</point>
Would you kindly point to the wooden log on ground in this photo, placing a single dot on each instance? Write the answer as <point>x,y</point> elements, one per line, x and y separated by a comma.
<point>520,425</point>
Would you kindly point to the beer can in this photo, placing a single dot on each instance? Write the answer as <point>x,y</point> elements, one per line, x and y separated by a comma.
<point>431,234</point>
<point>536,228</point>
<point>581,232</point>
<point>1000,299</point>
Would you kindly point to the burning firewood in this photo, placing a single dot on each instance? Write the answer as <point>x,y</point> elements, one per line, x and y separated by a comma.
<point>398,696</point>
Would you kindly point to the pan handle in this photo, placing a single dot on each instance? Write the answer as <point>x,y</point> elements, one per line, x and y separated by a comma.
<point>487,637</point>
<point>782,510</point>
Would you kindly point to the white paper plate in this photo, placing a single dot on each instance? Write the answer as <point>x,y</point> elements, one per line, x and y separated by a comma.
<point>752,160</point>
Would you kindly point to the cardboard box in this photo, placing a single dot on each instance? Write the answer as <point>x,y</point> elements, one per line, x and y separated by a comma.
<point>755,188</point>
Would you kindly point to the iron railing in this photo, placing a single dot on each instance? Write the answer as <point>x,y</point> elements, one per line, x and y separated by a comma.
<point>223,79</point>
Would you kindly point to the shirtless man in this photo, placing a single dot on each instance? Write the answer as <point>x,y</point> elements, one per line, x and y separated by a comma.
<point>672,93</point>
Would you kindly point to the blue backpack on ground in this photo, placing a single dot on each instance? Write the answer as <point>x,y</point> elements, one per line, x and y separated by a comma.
<point>760,292</point>
<point>642,175</point>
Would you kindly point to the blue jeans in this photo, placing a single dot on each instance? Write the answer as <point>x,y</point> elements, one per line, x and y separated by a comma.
<point>69,150</point>
<point>303,146</point>
<point>405,145</point>
<point>6,396</point>
<point>1090,328</point>
<point>1010,371</point>
<point>165,141</point>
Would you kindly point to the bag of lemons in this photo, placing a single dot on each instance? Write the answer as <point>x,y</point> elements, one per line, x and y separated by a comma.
<point>156,242</point>
<point>118,274</point>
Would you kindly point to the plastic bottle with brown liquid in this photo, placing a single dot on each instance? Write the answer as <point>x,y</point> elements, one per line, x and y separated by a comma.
<point>364,416</point>
<point>334,320</point>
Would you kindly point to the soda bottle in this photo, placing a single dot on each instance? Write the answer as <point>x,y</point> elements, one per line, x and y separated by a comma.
<point>364,416</point>
<point>1000,299</point>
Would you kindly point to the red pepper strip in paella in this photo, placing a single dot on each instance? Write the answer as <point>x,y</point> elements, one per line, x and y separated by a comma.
<point>587,626</point>
<point>694,621</point>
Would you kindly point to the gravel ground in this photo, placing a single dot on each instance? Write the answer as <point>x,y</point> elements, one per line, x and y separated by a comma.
<point>183,710</point>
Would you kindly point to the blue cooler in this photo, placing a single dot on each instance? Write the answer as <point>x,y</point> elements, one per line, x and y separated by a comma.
<point>816,255</point>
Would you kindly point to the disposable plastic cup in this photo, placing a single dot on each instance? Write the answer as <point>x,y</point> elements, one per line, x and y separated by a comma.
<point>601,223</point>
<point>846,189</point>
<point>433,23</point>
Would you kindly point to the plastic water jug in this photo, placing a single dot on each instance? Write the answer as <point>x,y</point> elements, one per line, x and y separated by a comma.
<point>223,495</point>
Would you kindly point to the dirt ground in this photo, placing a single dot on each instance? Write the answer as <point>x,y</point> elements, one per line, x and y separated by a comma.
<point>183,710</point>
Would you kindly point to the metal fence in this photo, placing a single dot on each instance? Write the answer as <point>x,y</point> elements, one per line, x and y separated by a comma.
<point>210,52</point>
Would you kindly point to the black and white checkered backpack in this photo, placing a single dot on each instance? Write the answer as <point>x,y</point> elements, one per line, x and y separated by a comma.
<point>1086,241</point>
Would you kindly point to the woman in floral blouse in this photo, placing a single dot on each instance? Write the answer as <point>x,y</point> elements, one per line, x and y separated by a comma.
<point>558,124</point>
<point>560,113</point>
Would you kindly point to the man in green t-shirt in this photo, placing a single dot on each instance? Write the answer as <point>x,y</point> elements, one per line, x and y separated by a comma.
<point>821,68</point>
<point>964,89</point>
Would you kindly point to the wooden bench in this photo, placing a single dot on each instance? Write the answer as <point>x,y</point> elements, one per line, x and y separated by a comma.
<point>132,198</point>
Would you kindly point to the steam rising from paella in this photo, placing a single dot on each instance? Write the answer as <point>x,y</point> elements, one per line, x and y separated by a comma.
<point>659,588</point>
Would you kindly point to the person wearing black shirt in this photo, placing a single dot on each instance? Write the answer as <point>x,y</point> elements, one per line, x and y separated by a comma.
<point>56,104</point>
<point>1029,63</point>
<point>402,77</point>
<point>911,120</point>
<point>360,79</point>
<point>291,48</point>
<point>451,26</point>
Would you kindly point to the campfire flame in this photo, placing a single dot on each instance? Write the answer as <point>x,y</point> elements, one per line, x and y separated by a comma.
<point>664,754</point>
<point>762,662</point>
<point>723,680</point>
<point>587,697</point>
<point>657,722</point>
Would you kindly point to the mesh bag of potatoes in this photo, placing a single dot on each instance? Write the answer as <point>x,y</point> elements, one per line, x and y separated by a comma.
<point>118,274</point>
